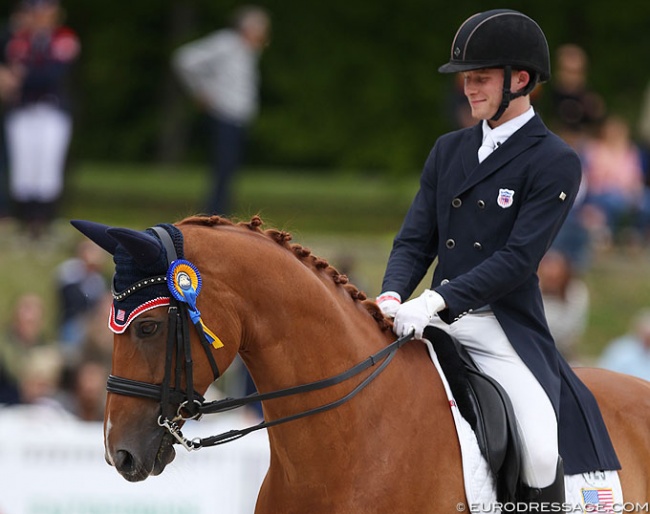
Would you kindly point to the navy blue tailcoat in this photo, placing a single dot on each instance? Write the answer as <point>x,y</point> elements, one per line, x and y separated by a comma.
<point>489,225</point>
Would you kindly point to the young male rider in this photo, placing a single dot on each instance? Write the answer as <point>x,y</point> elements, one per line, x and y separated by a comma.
<point>492,198</point>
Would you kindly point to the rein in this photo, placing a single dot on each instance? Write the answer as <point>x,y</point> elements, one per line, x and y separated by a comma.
<point>194,405</point>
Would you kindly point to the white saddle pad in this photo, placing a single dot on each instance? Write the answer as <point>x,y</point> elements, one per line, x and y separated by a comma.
<point>598,491</point>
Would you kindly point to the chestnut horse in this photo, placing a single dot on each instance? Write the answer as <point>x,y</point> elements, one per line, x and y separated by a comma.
<point>294,320</point>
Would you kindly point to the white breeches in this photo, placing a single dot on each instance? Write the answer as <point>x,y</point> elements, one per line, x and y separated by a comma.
<point>482,336</point>
<point>38,137</point>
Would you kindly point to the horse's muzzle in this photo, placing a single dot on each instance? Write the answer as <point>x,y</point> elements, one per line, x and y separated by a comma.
<point>136,468</point>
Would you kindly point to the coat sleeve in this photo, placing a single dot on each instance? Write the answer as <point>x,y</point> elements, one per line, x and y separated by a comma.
<point>415,246</point>
<point>548,200</point>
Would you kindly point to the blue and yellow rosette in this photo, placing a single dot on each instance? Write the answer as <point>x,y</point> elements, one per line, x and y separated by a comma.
<point>184,283</point>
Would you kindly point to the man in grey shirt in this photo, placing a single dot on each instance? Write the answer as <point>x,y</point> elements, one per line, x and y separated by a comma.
<point>221,72</point>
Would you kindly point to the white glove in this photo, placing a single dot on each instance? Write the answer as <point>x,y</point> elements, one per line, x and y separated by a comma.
<point>416,314</point>
<point>389,302</point>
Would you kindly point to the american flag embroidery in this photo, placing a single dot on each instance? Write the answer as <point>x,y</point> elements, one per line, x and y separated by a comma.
<point>121,314</point>
<point>604,498</point>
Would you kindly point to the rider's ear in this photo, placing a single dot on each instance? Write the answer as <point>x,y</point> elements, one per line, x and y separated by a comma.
<point>97,233</point>
<point>144,248</point>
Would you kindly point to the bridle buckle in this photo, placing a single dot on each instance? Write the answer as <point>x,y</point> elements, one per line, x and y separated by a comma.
<point>173,428</point>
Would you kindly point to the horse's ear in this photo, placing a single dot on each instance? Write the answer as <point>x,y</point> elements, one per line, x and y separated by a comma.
<point>97,233</point>
<point>144,248</point>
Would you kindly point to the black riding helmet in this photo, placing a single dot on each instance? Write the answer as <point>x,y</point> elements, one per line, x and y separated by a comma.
<point>501,38</point>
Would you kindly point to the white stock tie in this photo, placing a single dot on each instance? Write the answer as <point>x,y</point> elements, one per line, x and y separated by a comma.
<point>486,148</point>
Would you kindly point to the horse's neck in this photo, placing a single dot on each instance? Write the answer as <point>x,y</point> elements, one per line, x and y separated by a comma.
<point>299,326</point>
<point>308,337</point>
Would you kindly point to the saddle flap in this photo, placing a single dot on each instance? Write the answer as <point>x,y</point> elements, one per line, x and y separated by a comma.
<point>487,408</point>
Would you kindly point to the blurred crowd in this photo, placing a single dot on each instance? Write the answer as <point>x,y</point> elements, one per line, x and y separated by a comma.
<point>66,371</point>
<point>612,209</point>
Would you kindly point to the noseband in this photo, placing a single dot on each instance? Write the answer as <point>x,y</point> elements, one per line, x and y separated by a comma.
<point>177,405</point>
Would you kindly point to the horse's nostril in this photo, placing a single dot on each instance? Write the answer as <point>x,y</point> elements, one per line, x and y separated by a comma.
<point>124,461</point>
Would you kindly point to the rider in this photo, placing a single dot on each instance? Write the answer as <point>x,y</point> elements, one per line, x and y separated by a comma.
<point>492,198</point>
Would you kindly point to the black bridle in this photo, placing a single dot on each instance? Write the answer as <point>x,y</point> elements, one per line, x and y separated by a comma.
<point>178,404</point>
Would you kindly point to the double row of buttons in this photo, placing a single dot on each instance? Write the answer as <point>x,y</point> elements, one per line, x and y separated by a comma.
<point>457,202</point>
<point>450,243</point>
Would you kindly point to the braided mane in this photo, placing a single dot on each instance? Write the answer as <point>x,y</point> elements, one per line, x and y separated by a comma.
<point>303,254</point>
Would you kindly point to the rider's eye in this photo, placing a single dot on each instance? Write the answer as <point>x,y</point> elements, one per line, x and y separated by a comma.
<point>147,328</point>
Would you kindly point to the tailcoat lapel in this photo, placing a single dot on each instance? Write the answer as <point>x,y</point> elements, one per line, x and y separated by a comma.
<point>519,142</point>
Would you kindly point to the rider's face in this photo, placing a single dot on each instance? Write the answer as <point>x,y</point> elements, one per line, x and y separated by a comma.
<point>483,89</point>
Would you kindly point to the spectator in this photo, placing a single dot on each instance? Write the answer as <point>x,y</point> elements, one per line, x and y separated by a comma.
<point>80,286</point>
<point>576,108</point>
<point>85,394</point>
<point>614,172</point>
<point>97,341</point>
<point>38,123</point>
<point>40,376</point>
<point>8,84</point>
<point>83,385</point>
<point>220,72</point>
<point>25,332</point>
<point>566,302</point>
<point>630,353</point>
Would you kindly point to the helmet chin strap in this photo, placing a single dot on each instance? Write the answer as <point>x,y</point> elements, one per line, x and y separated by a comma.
<point>508,95</point>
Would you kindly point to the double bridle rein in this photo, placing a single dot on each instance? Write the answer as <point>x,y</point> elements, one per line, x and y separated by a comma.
<point>179,405</point>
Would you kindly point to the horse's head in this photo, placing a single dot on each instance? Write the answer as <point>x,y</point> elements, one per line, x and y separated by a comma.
<point>164,357</point>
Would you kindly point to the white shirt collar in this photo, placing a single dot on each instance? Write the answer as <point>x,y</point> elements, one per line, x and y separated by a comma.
<point>501,133</point>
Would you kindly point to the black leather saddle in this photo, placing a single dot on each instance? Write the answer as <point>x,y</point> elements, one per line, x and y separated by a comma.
<point>486,407</point>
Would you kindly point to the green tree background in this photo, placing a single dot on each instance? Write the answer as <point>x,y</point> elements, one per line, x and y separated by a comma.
<point>347,84</point>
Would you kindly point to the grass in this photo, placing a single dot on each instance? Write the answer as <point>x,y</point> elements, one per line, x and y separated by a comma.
<point>296,200</point>
<point>348,218</point>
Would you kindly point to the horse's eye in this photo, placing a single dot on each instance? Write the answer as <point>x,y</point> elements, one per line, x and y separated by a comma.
<point>147,328</point>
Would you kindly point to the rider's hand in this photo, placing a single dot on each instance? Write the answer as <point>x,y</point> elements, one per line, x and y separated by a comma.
<point>416,314</point>
<point>389,302</point>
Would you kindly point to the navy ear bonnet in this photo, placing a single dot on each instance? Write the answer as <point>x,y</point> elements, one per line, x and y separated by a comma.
<point>129,300</point>
<point>141,265</point>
